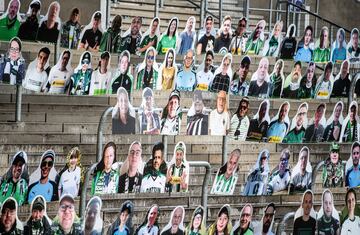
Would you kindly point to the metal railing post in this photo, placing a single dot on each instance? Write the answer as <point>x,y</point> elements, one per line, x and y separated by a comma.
<point>107,18</point>
<point>202,12</point>
<point>156,10</point>
<point>246,8</point>
<point>287,15</point>
<point>84,188</point>
<point>317,167</point>
<point>165,143</point>
<point>204,191</point>
<point>316,20</point>
<point>220,13</point>
<point>224,150</point>
<point>99,142</point>
<point>270,14</point>
<point>352,87</point>
<point>18,103</point>
<point>283,222</point>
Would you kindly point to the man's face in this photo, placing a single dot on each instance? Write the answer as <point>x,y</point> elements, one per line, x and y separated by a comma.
<point>124,64</point>
<point>283,112</point>
<point>154,27</point>
<point>243,109</point>
<point>42,59</point>
<point>8,218</point>
<point>66,215</point>
<point>227,26</point>
<point>54,11</point>
<point>351,202</point>
<point>338,111</point>
<point>301,116</point>
<point>356,155</point>
<point>328,205</point>
<point>232,164</point>
<point>75,17</point>
<point>340,38</point>
<point>303,160</point>
<point>91,215</point>
<point>355,40</point>
<point>173,106</point>
<point>277,30</point>
<point>259,29</point>
<point>262,111</point>
<point>157,159</point>
<point>318,115</point>
<point>263,69</point>
<point>65,60</point>
<point>222,222</point>
<point>208,26</point>
<point>307,38</point>
<point>17,170</point>
<point>190,24</point>
<point>176,219</point>
<point>134,155</point>
<point>220,104</point>
<point>96,23</point>
<point>135,26</point>
<point>327,74</point>
<point>37,215</point>
<point>283,163</point>
<point>241,27</point>
<point>179,157</point>
<point>199,105</point>
<point>34,11</point>
<point>324,36</point>
<point>150,58</point>
<point>310,73</point>
<point>208,61</point>
<point>352,113</point>
<point>307,203</point>
<point>226,65</point>
<point>46,166</point>
<point>268,217</point>
<point>188,59</point>
<point>245,218</point>
<point>243,71</point>
<point>123,103</point>
<point>109,157</point>
<point>345,68</point>
<point>278,68</point>
<point>149,102</point>
<point>14,51</point>
<point>334,156</point>
<point>13,9</point>
<point>152,215</point>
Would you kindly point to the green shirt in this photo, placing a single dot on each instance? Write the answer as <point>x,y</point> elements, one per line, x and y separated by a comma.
<point>166,43</point>
<point>147,40</point>
<point>295,136</point>
<point>16,190</point>
<point>321,55</point>
<point>8,30</point>
<point>254,47</point>
<point>101,184</point>
<point>152,81</point>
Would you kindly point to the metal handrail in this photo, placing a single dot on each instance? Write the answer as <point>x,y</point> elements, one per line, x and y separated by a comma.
<point>283,222</point>
<point>356,77</point>
<point>204,191</point>
<point>99,142</point>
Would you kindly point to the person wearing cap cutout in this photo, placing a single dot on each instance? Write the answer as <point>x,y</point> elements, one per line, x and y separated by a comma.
<point>91,37</point>
<point>333,169</point>
<point>205,72</point>
<point>198,120</point>
<point>207,41</point>
<point>38,222</point>
<point>123,223</point>
<point>15,181</point>
<point>171,115</point>
<point>46,174</point>
<point>9,222</point>
<point>80,80</point>
<point>66,221</point>
<point>101,76</point>
<point>9,21</point>
<point>70,31</point>
<point>240,84</point>
<point>149,120</point>
<point>177,177</point>
<point>28,29</point>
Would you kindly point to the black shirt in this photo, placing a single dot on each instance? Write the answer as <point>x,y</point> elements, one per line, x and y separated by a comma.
<point>93,39</point>
<point>28,29</point>
<point>47,35</point>
<point>256,91</point>
<point>341,87</point>
<point>220,83</point>
<point>221,42</point>
<point>123,80</point>
<point>288,47</point>
<point>120,128</point>
<point>204,40</point>
<point>302,227</point>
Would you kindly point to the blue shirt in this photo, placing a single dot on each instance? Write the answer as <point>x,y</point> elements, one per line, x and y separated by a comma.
<point>186,42</point>
<point>338,54</point>
<point>303,55</point>
<point>186,80</point>
<point>353,177</point>
<point>45,190</point>
<point>276,132</point>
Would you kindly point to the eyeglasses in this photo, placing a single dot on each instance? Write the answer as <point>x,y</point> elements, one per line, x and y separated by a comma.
<point>64,207</point>
<point>47,164</point>
<point>14,49</point>
<point>150,57</point>
<point>284,160</point>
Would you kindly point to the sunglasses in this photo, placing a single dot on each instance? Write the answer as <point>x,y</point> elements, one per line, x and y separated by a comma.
<point>47,164</point>
<point>150,57</point>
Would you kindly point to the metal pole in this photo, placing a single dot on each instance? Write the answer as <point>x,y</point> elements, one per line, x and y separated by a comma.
<point>316,20</point>
<point>246,8</point>
<point>270,14</point>
<point>356,77</point>
<point>18,103</point>
<point>287,15</point>
<point>220,13</point>
<point>204,191</point>
<point>165,142</point>
<point>202,12</point>
<point>99,142</point>
<point>84,188</point>
<point>284,221</point>
<point>156,11</point>
<point>224,150</point>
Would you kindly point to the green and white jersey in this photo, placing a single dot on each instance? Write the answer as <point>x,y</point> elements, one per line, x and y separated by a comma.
<point>224,186</point>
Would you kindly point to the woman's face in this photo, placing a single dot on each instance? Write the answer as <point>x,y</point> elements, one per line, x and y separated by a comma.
<point>53,13</point>
<point>277,30</point>
<point>73,160</point>
<point>226,66</point>
<point>124,64</point>
<point>338,111</point>
<point>109,157</point>
<point>307,38</point>
<point>170,59</point>
<point>190,24</point>
<point>197,221</point>
<point>14,50</point>
<point>340,37</point>
<point>310,73</point>
<point>173,26</point>
<point>222,222</point>
<point>123,103</point>
<point>324,37</point>
<point>227,26</point>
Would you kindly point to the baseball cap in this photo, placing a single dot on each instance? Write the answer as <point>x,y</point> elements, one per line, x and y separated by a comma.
<point>19,157</point>
<point>175,93</point>
<point>334,147</point>
<point>38,204</point>
<point>97,15</point>
<point>67,197</point>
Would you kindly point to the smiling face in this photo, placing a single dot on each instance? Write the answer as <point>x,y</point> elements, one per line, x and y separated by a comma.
<point>220,104</point>
<point>221,223</point>
<point>169,59</point>
<point>351,202</point>
<point>307,203</point>
<point>190,24</point>
<point>334,156</point>
<point>150,58</point>
<point>152,215</point>
<point>37,215</point>
<point>65,60</point>
<point>263,69</point>
<point>123,101</point>
<point>352,113</point>
<point>173,26</point>
<point>179,158</point>
<point>310,73</point>
<point>197,221</point>
<point>226,65</point>
<point>46,166</point>
<point>8,218</point>
<point>355,156</point>
<point>157,159</point>
<point>188,59</point>
<point>135,25</point>
<point>173,106</point>
<point>66,215</point>
<point>355,40</point>
<point>91,215</point>
<point>327,204</point>
<point>277,30</point>
<point>14,50</point>
<point>283,112</point>
<point>307,37</point>
<point>42,59</point>
<point>13,9</point>
<point>227,26</point>
<point>259,29</point>
<point>337,112</point>
<point>243,108</point>
<point>324,38</point>
<point>245,218</point>
<point>17,170</point>
<point>109,157</point>
<point>232,164</point>
<point>124,63</point>
<point>134,156</point>
<point>124,216</point>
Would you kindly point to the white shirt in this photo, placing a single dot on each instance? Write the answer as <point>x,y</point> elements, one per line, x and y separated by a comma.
<point>219,123</point>
<point>203,80</point>
<point>99,82</point>
<point>58,80</point>
<point>69,182</point>
<point>34,80</point>
<point>351,227</point>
